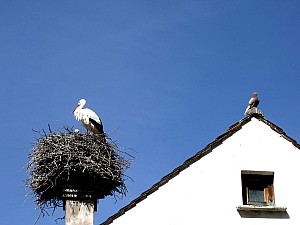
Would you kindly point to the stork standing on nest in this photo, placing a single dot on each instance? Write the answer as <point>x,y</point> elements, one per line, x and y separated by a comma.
<point>253,102</point>
<point>88,117</point>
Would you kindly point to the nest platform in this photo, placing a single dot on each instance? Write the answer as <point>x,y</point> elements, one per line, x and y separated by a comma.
<point>73,165</point>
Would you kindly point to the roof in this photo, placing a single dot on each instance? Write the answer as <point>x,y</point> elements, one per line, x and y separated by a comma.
<point>218,141</point>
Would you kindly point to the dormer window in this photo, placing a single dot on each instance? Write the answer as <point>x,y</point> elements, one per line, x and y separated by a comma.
<point>258,188</point>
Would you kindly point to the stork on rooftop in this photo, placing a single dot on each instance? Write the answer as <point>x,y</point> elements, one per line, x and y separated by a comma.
<point>253,102</point>
<point>88,117</point>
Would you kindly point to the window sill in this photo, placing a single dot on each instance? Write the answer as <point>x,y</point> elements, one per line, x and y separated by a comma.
<point>262,208</point>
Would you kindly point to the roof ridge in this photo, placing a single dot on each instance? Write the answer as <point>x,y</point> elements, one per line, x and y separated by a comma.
<point>281,132</point>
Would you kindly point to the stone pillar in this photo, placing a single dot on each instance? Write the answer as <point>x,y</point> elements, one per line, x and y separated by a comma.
<point>79,206</point>
<point>255,110</point>
<point>79,212</point>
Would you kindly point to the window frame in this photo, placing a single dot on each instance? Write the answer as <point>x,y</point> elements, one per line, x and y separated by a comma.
<point>258,181</point>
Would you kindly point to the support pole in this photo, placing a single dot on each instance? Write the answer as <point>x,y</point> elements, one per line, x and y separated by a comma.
<point>79,212</point>
<point>79,206</point>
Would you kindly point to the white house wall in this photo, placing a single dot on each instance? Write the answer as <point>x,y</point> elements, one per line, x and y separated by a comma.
<point>209,191</point>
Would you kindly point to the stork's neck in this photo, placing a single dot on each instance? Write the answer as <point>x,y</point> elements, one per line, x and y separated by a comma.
<point>79,107</point>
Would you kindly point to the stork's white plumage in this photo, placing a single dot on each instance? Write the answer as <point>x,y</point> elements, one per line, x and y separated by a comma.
<point>88,117</point>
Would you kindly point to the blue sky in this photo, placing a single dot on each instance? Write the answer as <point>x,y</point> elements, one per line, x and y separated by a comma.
<point>166,78</point>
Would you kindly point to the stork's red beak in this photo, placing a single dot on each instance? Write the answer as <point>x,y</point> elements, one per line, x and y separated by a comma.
<point>75,108</point>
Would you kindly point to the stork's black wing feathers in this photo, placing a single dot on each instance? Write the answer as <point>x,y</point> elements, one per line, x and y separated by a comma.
<point>98,126</point>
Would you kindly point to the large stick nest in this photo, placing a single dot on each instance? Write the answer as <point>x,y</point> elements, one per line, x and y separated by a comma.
<point>71,160</point>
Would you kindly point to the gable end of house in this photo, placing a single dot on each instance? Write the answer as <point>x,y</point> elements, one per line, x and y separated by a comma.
<point>206,150</point>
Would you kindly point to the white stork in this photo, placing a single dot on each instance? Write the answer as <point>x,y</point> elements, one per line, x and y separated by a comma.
<point>88,117</point>
<point>253,102</point>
